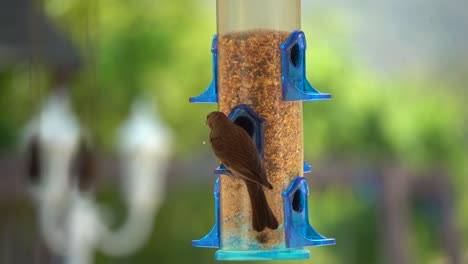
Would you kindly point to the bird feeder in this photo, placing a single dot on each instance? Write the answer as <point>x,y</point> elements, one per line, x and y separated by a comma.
<point>259,82</point>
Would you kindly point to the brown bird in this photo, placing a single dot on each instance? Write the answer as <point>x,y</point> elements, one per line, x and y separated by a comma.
<point>237,151</point>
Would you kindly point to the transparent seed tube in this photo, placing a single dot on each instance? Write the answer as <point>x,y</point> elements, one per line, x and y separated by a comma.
<point>250,33</point>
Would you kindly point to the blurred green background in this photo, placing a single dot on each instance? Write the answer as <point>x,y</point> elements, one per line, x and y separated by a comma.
<point>392,113</point>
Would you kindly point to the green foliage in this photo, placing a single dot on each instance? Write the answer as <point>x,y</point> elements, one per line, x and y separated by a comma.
<point>155,52</point>
<point>161,51</point>
<point>21,93</point>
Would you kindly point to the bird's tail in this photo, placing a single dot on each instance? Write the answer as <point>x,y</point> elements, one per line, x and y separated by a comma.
<point>262,216</point>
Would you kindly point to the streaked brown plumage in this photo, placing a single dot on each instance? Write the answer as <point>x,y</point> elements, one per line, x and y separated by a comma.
<point>237,151</point>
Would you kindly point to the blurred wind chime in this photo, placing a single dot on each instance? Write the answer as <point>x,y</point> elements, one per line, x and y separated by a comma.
<point>61,165</point>
<point>259,84</point>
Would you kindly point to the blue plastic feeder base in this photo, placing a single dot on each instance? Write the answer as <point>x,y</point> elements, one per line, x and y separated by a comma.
<point>284,254</point>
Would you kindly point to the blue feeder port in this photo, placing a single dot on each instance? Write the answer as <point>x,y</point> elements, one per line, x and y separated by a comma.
<point>293,76</point>
<point>210,95</point>
<point>299,232</point>
<point>212,239</point>
<point>293,71</point>
<point>246,117</point>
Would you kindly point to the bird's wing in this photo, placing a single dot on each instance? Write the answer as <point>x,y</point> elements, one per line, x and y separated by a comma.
<point>237,151</point>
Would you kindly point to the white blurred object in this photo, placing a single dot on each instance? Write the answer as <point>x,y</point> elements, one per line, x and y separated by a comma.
<point>69,218</point>
<point>58,134</point>
<point>84,228</point>
<point>145,149</point>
